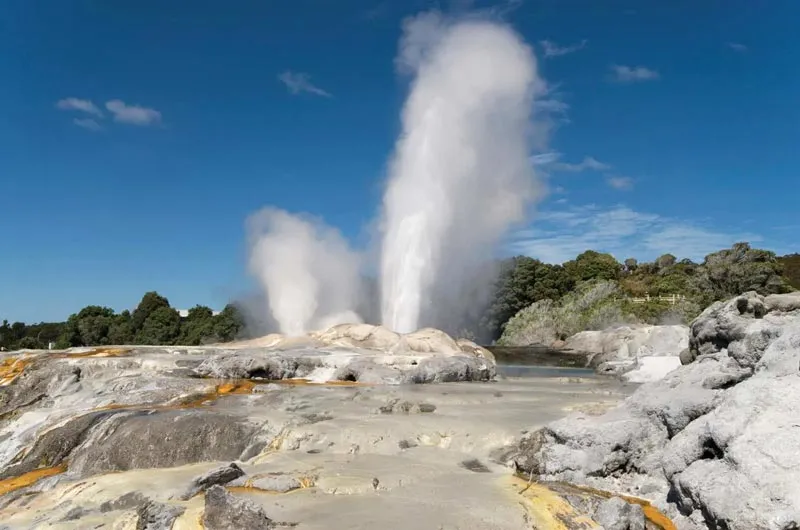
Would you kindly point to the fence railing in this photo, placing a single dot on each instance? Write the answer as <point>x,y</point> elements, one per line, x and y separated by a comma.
<point>670,299</point>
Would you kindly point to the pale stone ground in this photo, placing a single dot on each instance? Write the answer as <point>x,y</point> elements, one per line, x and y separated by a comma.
<point>357,466</point>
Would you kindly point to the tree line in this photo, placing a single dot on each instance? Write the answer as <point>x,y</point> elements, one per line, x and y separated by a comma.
<point>524,281</point>
<point>521,282</point>
<point>154,321</point>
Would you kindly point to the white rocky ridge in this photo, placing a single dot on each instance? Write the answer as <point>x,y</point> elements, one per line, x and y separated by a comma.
<point>716,443</point>
<point>639,353</point>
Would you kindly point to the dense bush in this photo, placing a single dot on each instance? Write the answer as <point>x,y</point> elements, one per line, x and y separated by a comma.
<point>595,304</point>
<point>606,288</point>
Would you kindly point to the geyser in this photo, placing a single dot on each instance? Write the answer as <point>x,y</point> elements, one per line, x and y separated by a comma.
<point>307,270</point>
<point>460,175</point>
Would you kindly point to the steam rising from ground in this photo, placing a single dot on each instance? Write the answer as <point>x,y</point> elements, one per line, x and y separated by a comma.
<point>309,273</point>
<point>459,178</point>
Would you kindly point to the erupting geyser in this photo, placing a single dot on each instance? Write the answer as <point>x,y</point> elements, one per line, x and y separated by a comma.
<point>459,178</point>
<point>460,175</point>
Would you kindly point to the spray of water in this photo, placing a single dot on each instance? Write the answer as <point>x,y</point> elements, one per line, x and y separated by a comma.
<point>460,175</point>
<point>307,270</point>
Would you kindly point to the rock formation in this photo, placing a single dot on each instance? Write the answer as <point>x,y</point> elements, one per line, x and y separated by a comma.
<point>638,353</point>
<point>716,443</point>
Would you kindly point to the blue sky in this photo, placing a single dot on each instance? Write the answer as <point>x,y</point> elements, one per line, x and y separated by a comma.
<point>136,137</point>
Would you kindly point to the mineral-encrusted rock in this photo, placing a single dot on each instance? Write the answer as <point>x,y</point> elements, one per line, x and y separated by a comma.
<point>638,353</point>
<point>157,516</point>
<point>219,476</point>
<point>616,514</point>
<point>716,442</point>
<point>223,511</point>
<point>174,438</point>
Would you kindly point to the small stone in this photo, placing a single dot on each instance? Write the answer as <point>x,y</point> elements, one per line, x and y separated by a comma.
<point>220,475</point>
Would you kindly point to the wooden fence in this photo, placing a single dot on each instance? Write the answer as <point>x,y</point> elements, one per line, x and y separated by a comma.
<point>670,299</point>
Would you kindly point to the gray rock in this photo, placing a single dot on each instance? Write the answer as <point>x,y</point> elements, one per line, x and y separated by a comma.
<point>223,511</point>
<point>132,499</point>
<point>157,516</point>
<point>276,483</point>
<point>160,439</point>
<point>719,438</point>
<point>220,475</point>
<point>617,514</point>
<point>399,406</point>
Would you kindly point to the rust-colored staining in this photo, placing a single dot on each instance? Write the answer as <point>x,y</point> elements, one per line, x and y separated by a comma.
<point>12,367</point>
<point>548,510</point>
<point>304,482</point>
<point>651,513</point>
<point>31,477</point>
<point>94,352</point>
<point>306,382</point>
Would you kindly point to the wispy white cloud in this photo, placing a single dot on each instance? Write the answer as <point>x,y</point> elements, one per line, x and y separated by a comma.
<point>559,235</point>
<point>297,82</point>
<point>87,123</point>
<point>620,183</point>
<point>83,105</point>
<point>632,74</point>
<point>545,159</point>
<point>736,46</point>
<point>133,114</point>
<point>551,49</point>
<point>588,163</point>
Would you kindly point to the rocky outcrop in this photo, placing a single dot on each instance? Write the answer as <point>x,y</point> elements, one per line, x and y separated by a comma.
<point>356,353</point>
<point>716,443</point>
<point>637,353</point>
<point>224,511</point>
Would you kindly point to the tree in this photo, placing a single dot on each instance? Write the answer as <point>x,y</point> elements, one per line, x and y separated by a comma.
<point>521,282</point>
<point>631,264</point>
<point>29,343</point>
<point>737,270</point>
<point>593,265</point>
<point>151,301</point>
<point>121,330</point>
<point>198,327</point>
<point>162,326</point>
<point>5,335</point>
<point>666,261</point>
<point>791,269</point>
<point>228,324</point>
<point>88,327</point>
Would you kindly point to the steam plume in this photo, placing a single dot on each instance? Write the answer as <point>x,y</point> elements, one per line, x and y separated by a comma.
<point>460,175</point>
<point>309,273</point>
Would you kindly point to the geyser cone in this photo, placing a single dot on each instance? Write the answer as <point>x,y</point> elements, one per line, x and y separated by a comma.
<point>460,174</point>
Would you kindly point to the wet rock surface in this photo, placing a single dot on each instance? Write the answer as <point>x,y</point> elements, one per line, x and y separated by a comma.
<point>716,443</point>
<point>167,437</point>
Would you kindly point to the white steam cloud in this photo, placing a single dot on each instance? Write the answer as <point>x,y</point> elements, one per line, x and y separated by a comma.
<point>309,273</point>
<point>461,175</point>
<point>459,178</point>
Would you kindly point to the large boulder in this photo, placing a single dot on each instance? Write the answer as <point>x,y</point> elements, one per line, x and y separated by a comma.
<point>716,443</point>
<point>640,353</point>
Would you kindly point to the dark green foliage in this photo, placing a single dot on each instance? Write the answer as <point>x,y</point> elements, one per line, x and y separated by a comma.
<point>121,329</point>
<point>593,265</point>
<point>228,324</point>
<point>162,326</point>
<point>198,327</point>
<point>665,261</point>
<point>737,270</point>
<point>29,343</point>
<point>791,269</point>
<point>522,281</point>
<point>150,302</point>
<point>90,326</point>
